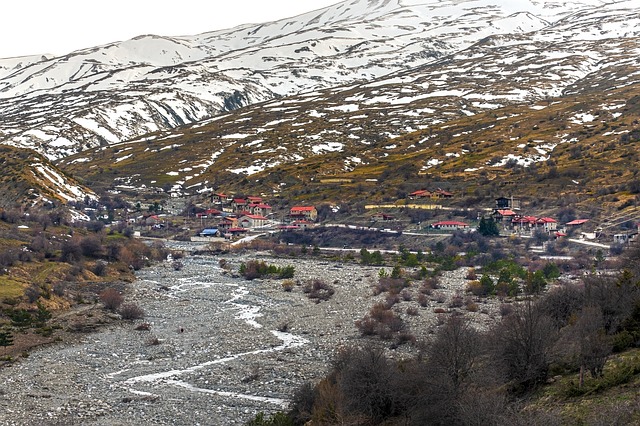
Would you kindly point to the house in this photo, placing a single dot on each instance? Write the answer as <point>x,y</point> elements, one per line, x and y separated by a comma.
<point>503,214</point>
<point>423,193</point>
<point>523,222</point>
<point>239,204</point>
<point>252,221</point>
<point>219,198</point>
<point>228,223</point>
<point>621,238</point>
<point>209,213</point>
<point>259,209</point>
<point>450,225</point>
<point>441,193</point>
<point>210,232</point>
<point>577,222</point>
<point>233,232</point>
<point>302,224</point>
<point>547,223</point>
<point>503,203</point>
<point>303,212</point>
<point>383,217</point>
<point>254,200</point>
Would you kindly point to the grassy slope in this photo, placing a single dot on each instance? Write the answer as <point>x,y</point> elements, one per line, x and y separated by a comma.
<point>597,163</point>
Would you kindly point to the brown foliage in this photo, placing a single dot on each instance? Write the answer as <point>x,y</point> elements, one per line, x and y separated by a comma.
<point>131,311</point>
<point>111,299</point>
<point>318,290</point>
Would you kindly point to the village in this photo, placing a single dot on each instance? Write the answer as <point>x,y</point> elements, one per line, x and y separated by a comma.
<point>230,217</point>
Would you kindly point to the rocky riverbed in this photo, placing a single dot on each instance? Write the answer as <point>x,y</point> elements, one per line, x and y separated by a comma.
<point>218,348</point>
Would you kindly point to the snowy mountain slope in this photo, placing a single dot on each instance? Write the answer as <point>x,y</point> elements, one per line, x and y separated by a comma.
<point>30,179</point>
<point>342,130</point>
<point>108,94</point>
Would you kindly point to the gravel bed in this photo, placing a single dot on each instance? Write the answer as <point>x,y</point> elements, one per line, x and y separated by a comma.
<point>219,349</point>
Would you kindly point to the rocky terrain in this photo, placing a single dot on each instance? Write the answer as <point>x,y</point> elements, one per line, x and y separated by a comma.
<point>213,354</point>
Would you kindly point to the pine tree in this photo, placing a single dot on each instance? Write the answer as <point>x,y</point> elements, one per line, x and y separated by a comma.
<point>488,227</point>
<point>6,338</point>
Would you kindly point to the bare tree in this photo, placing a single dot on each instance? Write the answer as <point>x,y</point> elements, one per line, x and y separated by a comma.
<point>454,354</point>
<point>590,343</point>
<point>522,346</point>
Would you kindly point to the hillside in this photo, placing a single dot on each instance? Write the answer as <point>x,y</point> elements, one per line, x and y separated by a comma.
<point>109,94</point>
<point>30,179</point>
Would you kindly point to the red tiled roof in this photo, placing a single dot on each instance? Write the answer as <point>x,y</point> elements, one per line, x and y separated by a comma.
<point>546,220</point>
<point>240,201</point>
<point>262,206</point>
<point>302,208</point>
<point>506,212</point>
<point>524,219</point>
<point>420,192</point>
<point>255,216</point>
<point>578,222</point>
<point>237,229</point>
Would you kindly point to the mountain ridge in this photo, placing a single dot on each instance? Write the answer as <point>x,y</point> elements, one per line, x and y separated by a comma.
<point>95,97</point>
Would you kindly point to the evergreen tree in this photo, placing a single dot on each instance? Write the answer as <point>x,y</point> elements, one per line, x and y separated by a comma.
<point>488,227</point>
<point>6,338</point>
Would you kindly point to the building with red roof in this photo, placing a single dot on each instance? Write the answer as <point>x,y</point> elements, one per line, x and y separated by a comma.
<point>303,212</point>
<point>449,225</point>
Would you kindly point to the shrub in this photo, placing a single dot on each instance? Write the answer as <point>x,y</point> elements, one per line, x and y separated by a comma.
<point>287,285</point>
<point>471,305</point>
<point>423,300</point>
<point>391,285</point>
<point>380,321</point>
<point>111,299</point>
<point>471,274</point>
<point>91,246</point>
<point>318,290</point>
<point>177,265</point>
<point>131,311</point>
<point>59,289</point>
<point>20,317</point>
<point>456,301</point>
<point>257,269</point>
<point>32,293</point>
<point>71,251</point>
<point>100,268</point>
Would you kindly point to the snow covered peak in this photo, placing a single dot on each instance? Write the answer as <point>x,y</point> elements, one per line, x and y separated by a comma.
<point>119,91</point>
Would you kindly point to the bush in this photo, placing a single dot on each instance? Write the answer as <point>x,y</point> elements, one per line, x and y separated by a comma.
<point>257,269</point>
<point>91,246</point>
<point>423,300</point>
<point>71,251</point>
<point>380,321</point>
<point>131,311</point>
<point>318,290</point>
<point>391,285</point>
<point>111,299</point>
<point>288,285</point>
<point>32,293</point>
<point>100,268</point>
